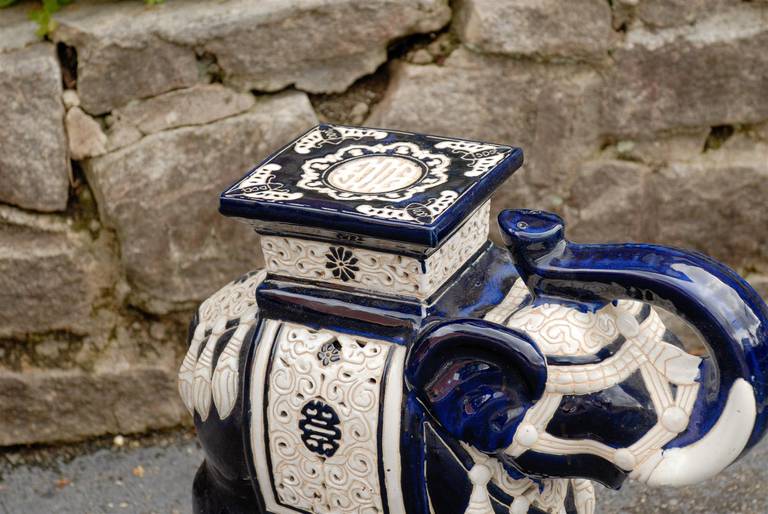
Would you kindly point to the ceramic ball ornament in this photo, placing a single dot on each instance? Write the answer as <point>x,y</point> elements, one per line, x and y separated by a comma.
<point>390,359</point>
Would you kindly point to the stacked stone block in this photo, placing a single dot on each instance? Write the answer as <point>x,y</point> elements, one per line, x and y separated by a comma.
<point>644,120</point>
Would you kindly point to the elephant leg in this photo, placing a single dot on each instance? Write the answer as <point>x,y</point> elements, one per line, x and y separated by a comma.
<point>213,494</point>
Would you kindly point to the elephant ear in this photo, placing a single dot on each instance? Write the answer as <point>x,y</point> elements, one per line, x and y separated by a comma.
<point>476,379</point>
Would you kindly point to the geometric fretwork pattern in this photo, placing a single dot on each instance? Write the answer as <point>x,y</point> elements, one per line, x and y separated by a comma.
<point>668,373</point>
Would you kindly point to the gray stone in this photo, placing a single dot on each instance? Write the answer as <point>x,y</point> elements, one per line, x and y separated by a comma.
<point>160,195</point>
<point>63,386</point>
<point>549,111</point>
<point>443,45</point>
<point>16,29</point>
<point>51,275</point>
<point>34,167</point>
<point>669,13</point>
<point>129,51</point>
<point>608,202</point>
<point>120,135</point>
<point>70,98</point>
<point>543,28</point>
<point>359,112</point>
<point>86,139</point>
<point>112,72</point>
<point>623,13</point>
<point>710,202</point>
<point>715,204</point>
<point>420,56</point>
<point>658,150</point>
<point>344,108</point>
<point>196,105</point>
<point>714,72</point>
<point>320,46</point>
<point>761,131</point>
<point>61,406</point>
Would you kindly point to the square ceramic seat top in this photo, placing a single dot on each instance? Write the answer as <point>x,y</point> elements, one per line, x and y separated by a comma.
<point>375,185</point>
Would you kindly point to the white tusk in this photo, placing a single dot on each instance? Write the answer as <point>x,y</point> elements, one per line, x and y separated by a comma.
<point>717,449</point>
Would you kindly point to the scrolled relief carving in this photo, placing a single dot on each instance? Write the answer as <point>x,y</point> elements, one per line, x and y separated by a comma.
<point>356,267</point>
<point>381,272</point>
<point>199,382</point>
<point>450,257</point>
<point>385,172</point>
<point>322,421</point>
<point>262,184</point>
<point>482,157</point>
<point>547,494</point>
<point>561,330</point>
<point>328,135</point>
<point>416,212</point>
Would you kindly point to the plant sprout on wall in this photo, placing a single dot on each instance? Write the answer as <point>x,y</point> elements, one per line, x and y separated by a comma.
<point>43,15</point>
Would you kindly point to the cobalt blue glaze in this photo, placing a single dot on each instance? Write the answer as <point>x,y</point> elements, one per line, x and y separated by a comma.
<point>541,465</point>
<point>312,209</point>
<point>725,310</point>
<point>390,359</point>
<point>491,373</point>
<point>596,415</point>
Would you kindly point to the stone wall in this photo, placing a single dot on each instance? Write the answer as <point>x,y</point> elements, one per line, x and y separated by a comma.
<point>641,119</point>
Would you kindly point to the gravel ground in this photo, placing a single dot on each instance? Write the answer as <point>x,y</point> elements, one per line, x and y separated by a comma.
<point>740,489</point>
<point>154,475</point>
<point>147,475</point>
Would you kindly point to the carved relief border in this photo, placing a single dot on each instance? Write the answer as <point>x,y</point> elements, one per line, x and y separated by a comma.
<point>370,270</point>
<point>326,439</point>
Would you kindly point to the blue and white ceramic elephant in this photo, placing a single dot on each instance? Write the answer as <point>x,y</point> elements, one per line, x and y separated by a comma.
<point>391,359</point>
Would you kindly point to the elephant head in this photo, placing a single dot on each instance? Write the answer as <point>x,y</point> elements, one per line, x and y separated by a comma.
<point>488,385</point>
<point>478,378</point>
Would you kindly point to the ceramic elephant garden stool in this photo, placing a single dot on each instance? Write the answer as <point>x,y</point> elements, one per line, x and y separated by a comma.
<point>390,358</point>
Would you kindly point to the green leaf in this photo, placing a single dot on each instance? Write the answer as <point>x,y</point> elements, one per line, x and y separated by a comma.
<point>44,17</point>
<point>36,15</point>
<point>51,6</point>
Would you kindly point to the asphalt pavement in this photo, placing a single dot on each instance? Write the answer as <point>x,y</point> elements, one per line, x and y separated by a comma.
<point>153,475</point>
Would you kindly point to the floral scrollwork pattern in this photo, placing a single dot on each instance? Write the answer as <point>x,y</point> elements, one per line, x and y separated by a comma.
<point>669,374</point>
<point>322,420</point>
<point>381,272</point>
<point>482,157</point>
<point>333,135</point>
<point>342,263</point>
<point>261,184</point>
<point>385,165</point>
<point>423,213</point>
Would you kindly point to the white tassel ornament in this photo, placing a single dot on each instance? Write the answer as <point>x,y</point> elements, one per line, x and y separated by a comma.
<point>479,501</point>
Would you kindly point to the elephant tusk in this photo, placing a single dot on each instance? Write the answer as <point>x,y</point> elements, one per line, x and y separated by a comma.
<point>715,451</point>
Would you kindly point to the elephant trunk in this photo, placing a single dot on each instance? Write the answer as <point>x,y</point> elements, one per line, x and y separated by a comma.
<point>731,318</point>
